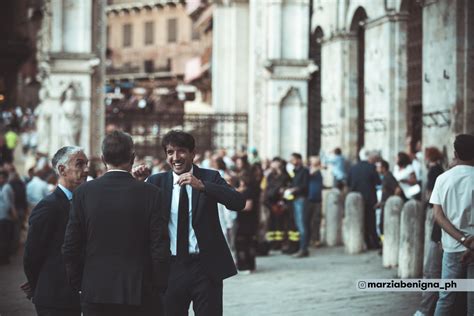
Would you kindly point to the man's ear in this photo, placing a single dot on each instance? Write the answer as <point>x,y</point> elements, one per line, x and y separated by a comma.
<point>61,169</point>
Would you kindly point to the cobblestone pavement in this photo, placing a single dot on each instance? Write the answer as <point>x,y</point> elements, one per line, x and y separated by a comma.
<point>12,299</point>
<point>323,284</point>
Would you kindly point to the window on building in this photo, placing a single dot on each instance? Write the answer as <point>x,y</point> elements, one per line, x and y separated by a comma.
<point>127,35</point>
<point>194,33</point>
<point>172,30</point>
<point>149,33</point>
<point>149,66</point>
<point>108,36</point>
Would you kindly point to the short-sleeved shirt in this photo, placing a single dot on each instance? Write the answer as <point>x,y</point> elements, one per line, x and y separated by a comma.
<point>454,191</point>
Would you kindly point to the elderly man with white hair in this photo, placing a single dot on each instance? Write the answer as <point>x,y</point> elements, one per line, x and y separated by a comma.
<point>43,262</point>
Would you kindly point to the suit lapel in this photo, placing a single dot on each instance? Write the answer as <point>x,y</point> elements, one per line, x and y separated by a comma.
<point>196,193</point>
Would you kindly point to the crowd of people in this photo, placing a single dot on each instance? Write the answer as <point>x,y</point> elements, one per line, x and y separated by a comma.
<point>283,198</point>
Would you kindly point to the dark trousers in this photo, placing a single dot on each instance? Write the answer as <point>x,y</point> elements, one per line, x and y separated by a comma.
<point>51,311</point>
<point>314,221</point>
<point>371,238</point>
<point>245,247</point>
<point>188,282</point>
<point>7,232</point>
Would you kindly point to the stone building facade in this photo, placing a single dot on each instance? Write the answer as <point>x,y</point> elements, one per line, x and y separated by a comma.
<point>52,60</point>
<point>150,42</point>
<point>316,75</point>
<point>70,56</point>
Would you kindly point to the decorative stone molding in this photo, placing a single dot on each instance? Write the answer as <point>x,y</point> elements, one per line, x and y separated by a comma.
<point>290,69</point>
<point>389,17</point>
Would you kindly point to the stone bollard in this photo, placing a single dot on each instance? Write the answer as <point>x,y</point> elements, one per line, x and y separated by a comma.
<point>354,223</point>
<point>391,231</point>
<point>412,235</point>
<point>429,222</point>
<point>334,211</point>
<point>323,216</point>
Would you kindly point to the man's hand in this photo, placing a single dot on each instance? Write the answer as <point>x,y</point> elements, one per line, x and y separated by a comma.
<point>189,178</point>
<point>469,243</point>
<point>141,172</point>
<point>26,288</point>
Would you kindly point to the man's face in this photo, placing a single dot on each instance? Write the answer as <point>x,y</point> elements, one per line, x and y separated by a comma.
<point>76,171</point>
<point>294,161</point>
<point>379,167</point>
<point>179,158</point>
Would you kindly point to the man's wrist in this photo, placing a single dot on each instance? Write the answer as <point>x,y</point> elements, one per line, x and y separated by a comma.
<point>465,241</point>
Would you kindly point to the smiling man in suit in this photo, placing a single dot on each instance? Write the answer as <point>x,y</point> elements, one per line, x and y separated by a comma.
<point>201,259</point>
<point>116,248</point>
<point>42,259</point>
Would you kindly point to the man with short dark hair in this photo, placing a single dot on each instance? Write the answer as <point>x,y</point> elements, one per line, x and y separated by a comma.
<point>200,259</point>
<point>452,200</point>
<point>116,247</point>
<point>42,260</point>
<point>299,190</point>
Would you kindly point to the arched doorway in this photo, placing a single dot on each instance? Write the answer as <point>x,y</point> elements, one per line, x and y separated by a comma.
<point>314,95</point>
<point>414,57</point>
<point>358,29</point>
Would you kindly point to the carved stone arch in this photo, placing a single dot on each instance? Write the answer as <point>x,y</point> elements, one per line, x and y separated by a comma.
<point>288,93</point>
<point>354,10</point>
<point>291,120</point>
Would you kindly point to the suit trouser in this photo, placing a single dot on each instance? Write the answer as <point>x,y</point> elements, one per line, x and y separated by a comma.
<point>188,282</point>
<point>51,311</point>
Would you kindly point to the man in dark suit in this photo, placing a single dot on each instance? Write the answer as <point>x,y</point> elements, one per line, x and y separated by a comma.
<point>116,247</point>
<point>363,178</point>
<point>200,256</point>
<point>43,261</point>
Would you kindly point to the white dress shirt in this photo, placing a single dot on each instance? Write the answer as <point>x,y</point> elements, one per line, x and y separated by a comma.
<point>173,223</point>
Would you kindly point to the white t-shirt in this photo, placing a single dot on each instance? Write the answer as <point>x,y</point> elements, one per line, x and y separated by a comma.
<point>404,174</point>
<point>454,191</point>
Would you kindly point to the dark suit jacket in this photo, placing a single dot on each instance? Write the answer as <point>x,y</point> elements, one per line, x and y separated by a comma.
<point>116,247</point>
<point>363,178</point>
<point>214,252</point>
<point>42,259</point>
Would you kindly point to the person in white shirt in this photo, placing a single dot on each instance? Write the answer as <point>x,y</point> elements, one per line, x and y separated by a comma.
<point>452,200</point>
<point>406,176</point>
<point>36,190</point>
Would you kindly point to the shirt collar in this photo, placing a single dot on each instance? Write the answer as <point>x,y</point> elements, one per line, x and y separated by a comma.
<point>119,170</point>
<point>66,191</point>
<point>176,176</point>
